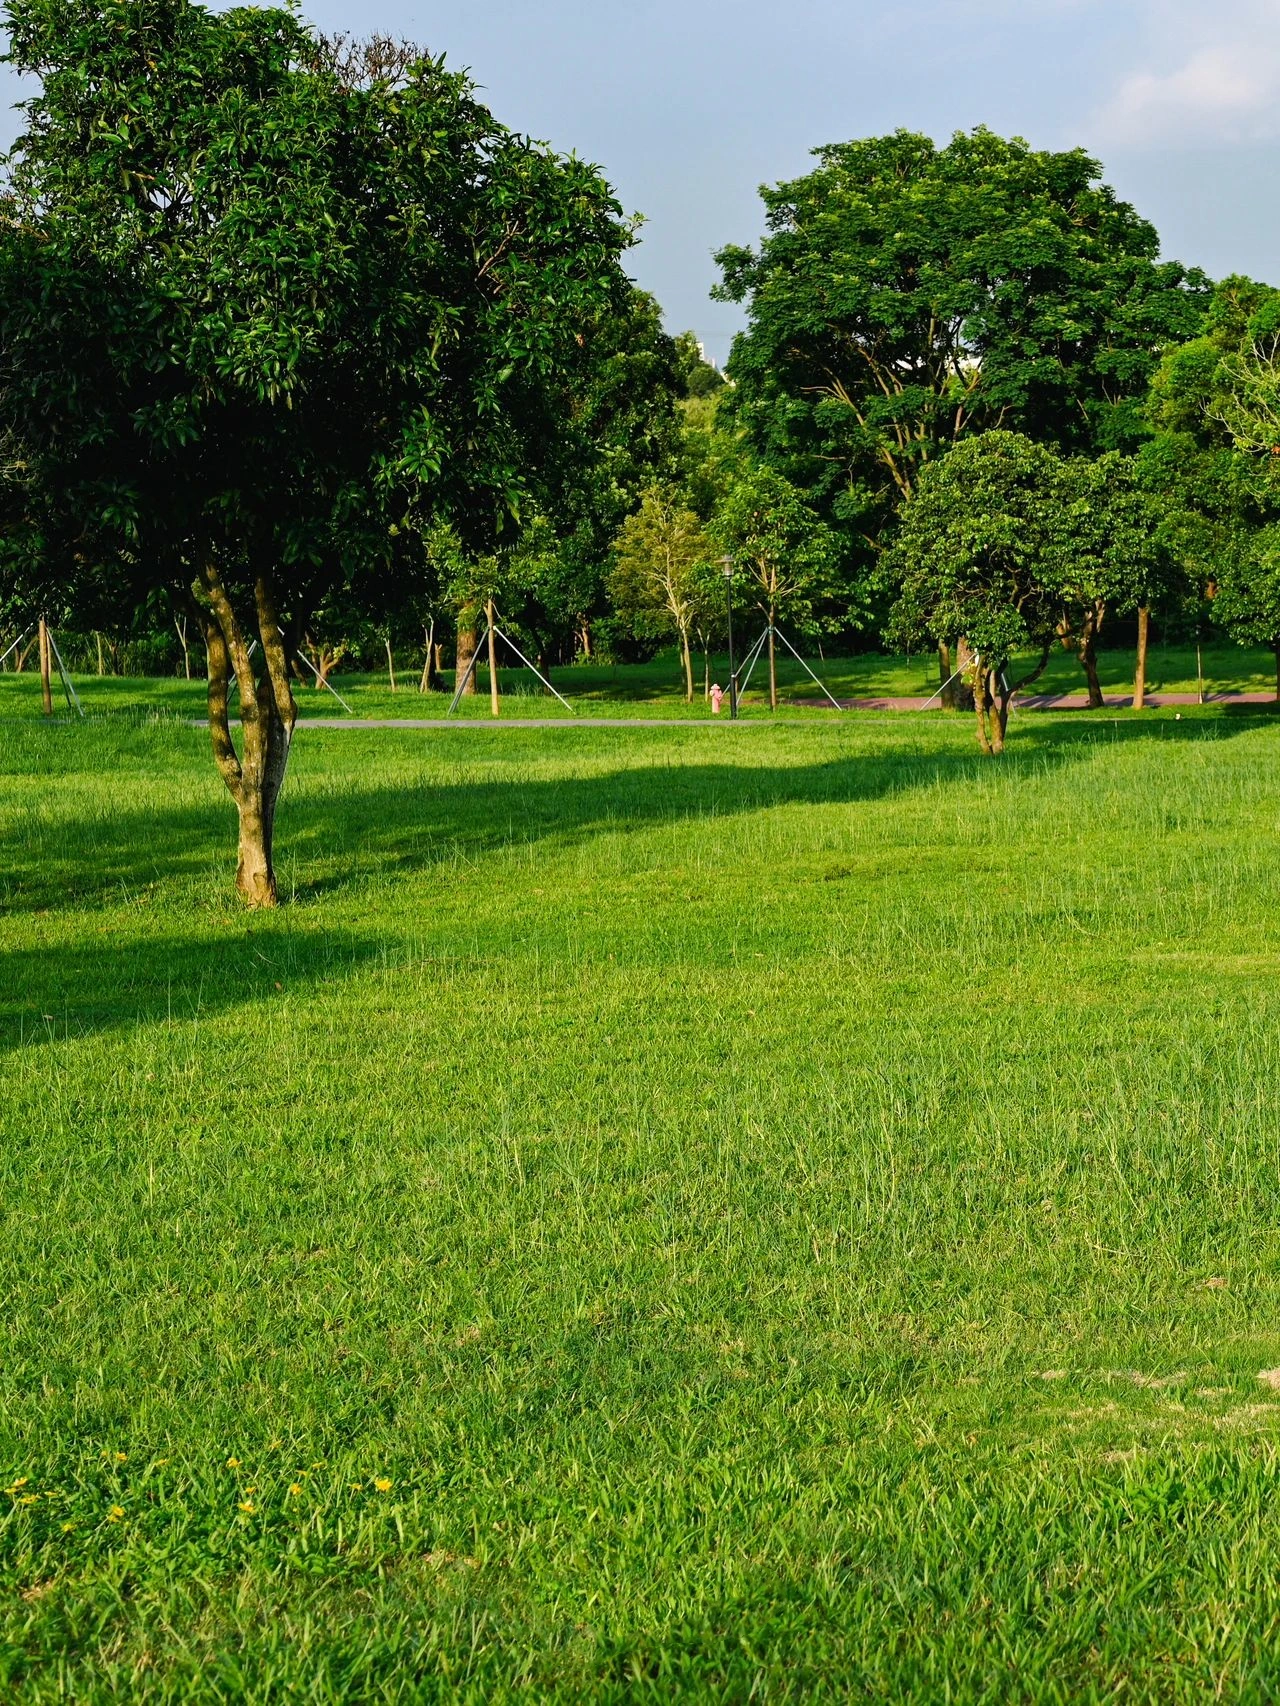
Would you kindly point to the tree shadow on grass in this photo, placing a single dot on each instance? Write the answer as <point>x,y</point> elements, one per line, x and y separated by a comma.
<point>50,996</point>
<point>330,839</point>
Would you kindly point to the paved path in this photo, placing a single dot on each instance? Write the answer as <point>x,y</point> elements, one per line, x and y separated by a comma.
<point>1055,701</point>
<point>508,722</point>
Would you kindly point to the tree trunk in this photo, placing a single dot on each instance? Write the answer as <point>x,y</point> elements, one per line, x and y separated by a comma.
<point>965,698</point>
<point>687,657</point>
<point>773,671</point>
<point>391,664</point>
<point>999,713</point>
<point>980,709</point>
<point>466,651</point>
<point>947,694</point>
<point>102,668</point>
<point>1140,670</point>
<point>586,641</point>
<point>46,668</point>
<point>255,774</point>
<point>1088,654</point>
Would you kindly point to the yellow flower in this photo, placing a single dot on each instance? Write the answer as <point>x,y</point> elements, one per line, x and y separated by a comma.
<point>68,1528</point>
<point>115,1513</point>
<point>29,1499</point>
<point>247,1506</point>
<point>249,1491</point>
<point>233,1463</point>
<point>19,1483</point>
<point>382,1484</point>
<point>294,1490</point>
<point>122,1456</point>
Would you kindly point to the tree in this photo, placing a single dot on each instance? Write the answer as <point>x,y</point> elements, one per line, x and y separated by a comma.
<point>621,432</point>
<point>281,299</point>
<point>1210,464</point>
<point>790,556</point>
<point>1115,563</point>
<point>699,376</point>
<point>980,553</point>
<point>660,579</point>
<point>1247,400</point>
<point>907,297</point>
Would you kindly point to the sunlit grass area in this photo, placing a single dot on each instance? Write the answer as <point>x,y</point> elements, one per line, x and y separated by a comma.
<point>662,1212</point>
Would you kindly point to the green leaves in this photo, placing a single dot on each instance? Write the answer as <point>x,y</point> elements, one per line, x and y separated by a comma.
<point>245,284</point>
<point>907,297</point>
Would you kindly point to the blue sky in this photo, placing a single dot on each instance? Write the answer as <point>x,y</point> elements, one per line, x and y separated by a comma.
<point>689,105</point>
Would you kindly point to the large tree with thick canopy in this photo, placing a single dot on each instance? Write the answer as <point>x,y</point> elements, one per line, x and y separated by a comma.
<point>262,300</point>
<point>907,297</point>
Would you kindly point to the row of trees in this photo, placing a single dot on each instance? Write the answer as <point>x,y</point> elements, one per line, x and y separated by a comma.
<point>299,345</point>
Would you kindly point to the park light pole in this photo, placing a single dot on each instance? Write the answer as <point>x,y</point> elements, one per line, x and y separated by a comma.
<point>726,563</point>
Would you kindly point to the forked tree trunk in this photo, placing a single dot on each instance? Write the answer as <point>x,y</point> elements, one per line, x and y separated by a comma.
<point>255,774</point>
<point>466,651</point>
<point>428,669</point>
<point>1140,667</point>
<point>687,659</point>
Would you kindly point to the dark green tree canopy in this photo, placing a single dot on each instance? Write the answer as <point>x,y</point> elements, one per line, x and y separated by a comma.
<point>263,300</point>
<point>908,296</point>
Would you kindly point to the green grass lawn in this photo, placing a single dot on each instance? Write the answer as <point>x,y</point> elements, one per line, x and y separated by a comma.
<point>654,689</point>
<point>664,1213</point>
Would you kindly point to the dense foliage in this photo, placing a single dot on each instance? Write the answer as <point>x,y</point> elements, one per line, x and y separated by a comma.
<point>305,356</point>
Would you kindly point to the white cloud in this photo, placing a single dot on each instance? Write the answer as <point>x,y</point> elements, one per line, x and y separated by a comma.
<point>1211,74</point>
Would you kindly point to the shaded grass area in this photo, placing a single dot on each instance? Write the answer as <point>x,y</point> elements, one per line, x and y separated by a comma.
<point>658,1215</point>
<point>655,689</point>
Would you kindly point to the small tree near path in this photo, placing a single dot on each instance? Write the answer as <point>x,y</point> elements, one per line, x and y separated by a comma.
<point>659,583</point>
<point>791,557</point>
<point>1112,562</point>
<point>979,554</point>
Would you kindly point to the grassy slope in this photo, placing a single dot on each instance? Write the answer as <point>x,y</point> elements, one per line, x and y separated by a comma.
<point>759,1199</point>
<point>654,689</point>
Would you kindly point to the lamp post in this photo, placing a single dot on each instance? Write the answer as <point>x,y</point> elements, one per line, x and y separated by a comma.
<point>726,563</point>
